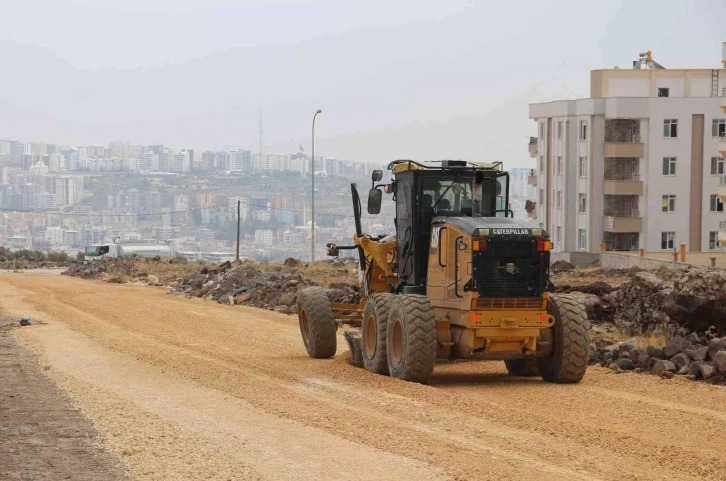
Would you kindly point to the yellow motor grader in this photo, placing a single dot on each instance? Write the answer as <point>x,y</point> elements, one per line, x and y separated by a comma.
<point>460,279</point>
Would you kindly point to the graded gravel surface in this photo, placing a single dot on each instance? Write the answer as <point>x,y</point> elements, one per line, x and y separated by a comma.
<point>189,389</point>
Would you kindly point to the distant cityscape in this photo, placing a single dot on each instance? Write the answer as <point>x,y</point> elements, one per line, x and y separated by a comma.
<point>63,198</point>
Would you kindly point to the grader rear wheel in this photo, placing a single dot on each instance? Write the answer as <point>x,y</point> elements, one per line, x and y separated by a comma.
<point>411,338</point>
<point>317,324</point>
<point>373,332</point>
<point>570,344</point>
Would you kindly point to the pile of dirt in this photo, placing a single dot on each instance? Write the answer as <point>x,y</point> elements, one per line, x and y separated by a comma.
<point>693,299</point>
<point>267,286</point>
<point>562,266</point>
<point>154,271</point>
<point>698,357</point>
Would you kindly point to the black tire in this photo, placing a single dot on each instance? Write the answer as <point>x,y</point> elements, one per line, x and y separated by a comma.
<point>317,324</point>
<point>570,345</point>
<point>373,332</point>
<point>523,367</point>
<point>411,338</point>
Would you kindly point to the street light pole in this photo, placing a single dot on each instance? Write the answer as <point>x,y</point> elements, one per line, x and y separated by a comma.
<point>312,169</point>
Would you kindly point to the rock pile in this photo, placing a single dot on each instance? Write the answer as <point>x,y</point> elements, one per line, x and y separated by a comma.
<point>247,284</point>
<point>693,356</point>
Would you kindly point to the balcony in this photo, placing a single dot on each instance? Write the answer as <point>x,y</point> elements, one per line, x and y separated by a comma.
<point>631,186</point>
<point>624,149</point>
<point>533,147</point>
<point>722,233</point>
<point>722,146</point>
<point>532,177</point>
<point>631,223</point>
<point>722,189</point>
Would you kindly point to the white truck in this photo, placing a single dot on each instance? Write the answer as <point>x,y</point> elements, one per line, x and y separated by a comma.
<point>96,252</point>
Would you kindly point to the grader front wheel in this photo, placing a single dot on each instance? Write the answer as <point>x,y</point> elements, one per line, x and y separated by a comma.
<point>570,344</point>
<point>411,338</point>
<point>317,324</point>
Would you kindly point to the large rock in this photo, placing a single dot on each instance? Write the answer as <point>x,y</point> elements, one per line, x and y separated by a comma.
<point>675,345</point>
<point>625,364</point>
<point>707,370</point>
<point>719,360</point>
<point>698,299</point>
<point>656,352</point>
<point>283,309</point>
<point>643,360</point>
<point>715,345</point>
<point>640,303</point>
<point>634,355</point>
<point>697,353</point>
<point>694,369</point>
<point>152,280</point>
<point>681,360</point>
<point>661,367</point>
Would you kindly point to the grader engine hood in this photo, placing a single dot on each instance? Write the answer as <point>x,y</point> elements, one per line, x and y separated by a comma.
<point>509,259</point>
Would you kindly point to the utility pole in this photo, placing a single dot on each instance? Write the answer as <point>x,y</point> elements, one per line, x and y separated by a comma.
<point>312,169</point>
<point>238,223</point>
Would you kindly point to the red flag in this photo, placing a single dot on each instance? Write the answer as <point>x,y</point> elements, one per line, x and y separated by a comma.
<point>301,148</point>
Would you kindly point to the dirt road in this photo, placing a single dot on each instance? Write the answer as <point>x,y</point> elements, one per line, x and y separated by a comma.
<point>187,389</point>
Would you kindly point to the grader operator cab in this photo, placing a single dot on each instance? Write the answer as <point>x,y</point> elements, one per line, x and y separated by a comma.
<point>460,279</point>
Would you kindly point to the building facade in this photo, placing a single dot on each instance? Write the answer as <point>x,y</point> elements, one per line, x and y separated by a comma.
<point>639,164</point>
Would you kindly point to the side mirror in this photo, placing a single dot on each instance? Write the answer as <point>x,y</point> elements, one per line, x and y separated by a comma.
<point>374,201</point>
<point>377,175</point>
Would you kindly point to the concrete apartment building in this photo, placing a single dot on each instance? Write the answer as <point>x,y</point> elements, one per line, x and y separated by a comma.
<point>639,164</point>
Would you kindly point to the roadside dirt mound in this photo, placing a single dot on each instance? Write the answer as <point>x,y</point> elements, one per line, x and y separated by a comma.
<point>262,285</point>
<point>155,272</point>
<point>22,264</point>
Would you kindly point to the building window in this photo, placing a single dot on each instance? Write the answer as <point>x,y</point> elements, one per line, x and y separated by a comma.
<point>559,235</point>
<point>541,197</point>
<point>559,199</point>
<point>559,165</point>
<point>669,166</point>
<point>667,240</point>
<point>581,239</point>
<point>670,128</point>
<point>583,129</point>
<point>582,170</point>
<point>559,129</point>
<point>716,204</point>
<point>669,203</point>
<point>582,203</point>
<point>719,128</point>
<point>716,166</point>
<point>713,240</point>
<point>662,92</point>
<point>541,130</point>
<point>541,164</point>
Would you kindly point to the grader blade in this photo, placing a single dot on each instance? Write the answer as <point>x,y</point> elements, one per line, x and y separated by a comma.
<point>356,354</point>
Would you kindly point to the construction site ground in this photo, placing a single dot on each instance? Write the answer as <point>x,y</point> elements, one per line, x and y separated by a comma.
<point>166,387</point>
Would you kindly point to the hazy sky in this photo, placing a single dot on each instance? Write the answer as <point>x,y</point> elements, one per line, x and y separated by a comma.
<point>395,79</point>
